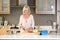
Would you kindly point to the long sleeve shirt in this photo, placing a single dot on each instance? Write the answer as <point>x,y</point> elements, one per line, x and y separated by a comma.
<point>26,23</point>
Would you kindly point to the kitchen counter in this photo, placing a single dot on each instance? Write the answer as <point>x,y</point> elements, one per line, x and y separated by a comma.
<point>29,37</point>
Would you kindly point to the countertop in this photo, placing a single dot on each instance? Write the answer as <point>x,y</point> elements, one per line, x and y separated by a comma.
<point>29,37</point>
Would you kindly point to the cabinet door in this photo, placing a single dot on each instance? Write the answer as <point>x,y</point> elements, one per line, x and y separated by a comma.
<point>0,6</point>
<point>58,12</point>
<point>6,6</point>
<point>45,6</point>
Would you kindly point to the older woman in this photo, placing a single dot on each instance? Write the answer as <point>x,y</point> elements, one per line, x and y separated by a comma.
<point>26,19</point>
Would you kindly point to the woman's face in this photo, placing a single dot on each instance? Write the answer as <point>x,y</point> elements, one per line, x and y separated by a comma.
<point>26,12</point>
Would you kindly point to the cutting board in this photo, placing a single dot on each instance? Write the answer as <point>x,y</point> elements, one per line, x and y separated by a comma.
<point>26,32</point>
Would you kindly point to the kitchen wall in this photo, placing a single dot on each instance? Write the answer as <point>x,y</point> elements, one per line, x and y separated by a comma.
<point>58,12</point>
<point>13,17</point>
<point>58,15</point>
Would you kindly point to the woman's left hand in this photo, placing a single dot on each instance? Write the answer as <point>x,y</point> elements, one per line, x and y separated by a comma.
<point>30,29</point>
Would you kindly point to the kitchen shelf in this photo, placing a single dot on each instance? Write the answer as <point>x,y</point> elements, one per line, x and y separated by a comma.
<point>16,6</point>
<point>22,6</point>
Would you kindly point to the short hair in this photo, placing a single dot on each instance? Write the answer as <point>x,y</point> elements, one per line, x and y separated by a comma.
<point>24,8</point>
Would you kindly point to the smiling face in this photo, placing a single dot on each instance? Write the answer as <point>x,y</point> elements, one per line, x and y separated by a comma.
<point>26,13</point>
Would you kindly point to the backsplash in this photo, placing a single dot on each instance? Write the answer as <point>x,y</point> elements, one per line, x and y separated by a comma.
<point>13,17</point>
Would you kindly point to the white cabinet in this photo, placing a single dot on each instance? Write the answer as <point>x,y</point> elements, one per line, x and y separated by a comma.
<point>45,6</point>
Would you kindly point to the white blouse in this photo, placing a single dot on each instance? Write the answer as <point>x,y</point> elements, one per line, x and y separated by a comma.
<point>26,23</point>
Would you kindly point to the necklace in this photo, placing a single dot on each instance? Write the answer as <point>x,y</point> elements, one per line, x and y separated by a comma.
<point>26,20</point>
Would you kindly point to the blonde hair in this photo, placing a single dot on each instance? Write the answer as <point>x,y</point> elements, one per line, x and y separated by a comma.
<point>24,8</point>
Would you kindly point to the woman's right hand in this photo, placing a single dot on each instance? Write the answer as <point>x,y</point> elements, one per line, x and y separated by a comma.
<point>30,30</point>
<point>21,27</point>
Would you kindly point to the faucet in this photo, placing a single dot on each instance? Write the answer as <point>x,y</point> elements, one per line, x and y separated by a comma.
<point>50,22</point>
<point>56,26</point>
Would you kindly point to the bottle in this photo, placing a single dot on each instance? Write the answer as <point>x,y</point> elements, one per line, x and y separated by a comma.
<point>37,28</point>
<point>54,25</point>
<point>5,23</point>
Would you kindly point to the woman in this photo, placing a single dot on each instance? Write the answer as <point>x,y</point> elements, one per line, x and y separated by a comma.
<point>26,21</point>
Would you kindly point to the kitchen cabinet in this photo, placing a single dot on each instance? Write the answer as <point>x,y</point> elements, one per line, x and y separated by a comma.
<point>14,4</point>
<point>4,6</point>
<point>0,6</point>
<point>21,3</point>
<point>45,6</point>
